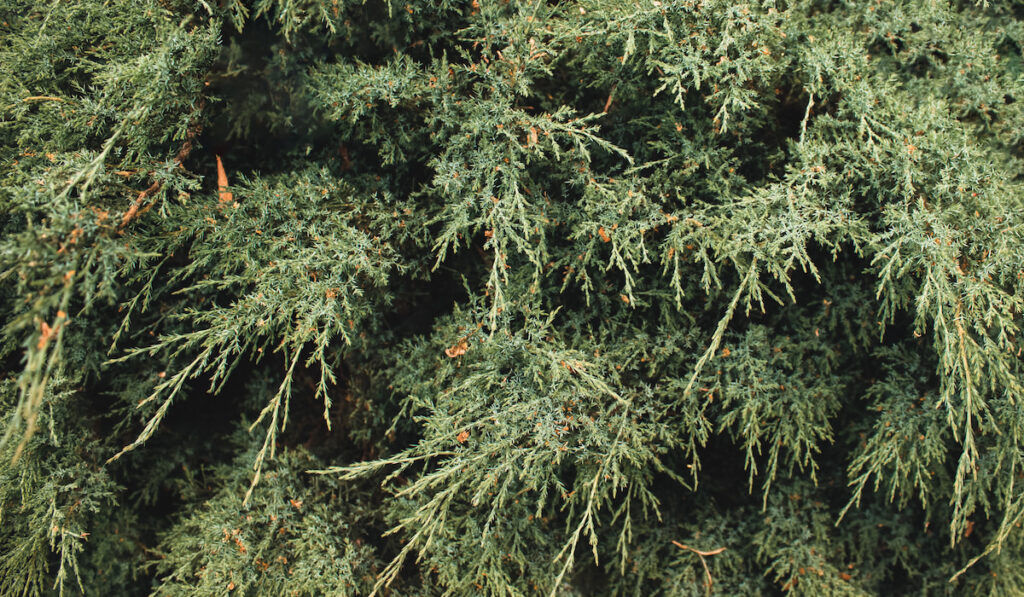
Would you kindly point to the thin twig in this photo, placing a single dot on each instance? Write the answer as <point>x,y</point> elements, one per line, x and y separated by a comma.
<point>611,96</point>
<point>701,555</point>
<point>43,98</point>
<point>807,116</point>
<point>139,206</point>
<point>723,323</point>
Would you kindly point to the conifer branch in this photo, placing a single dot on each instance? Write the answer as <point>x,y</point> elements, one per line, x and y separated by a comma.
<point>140,206</point>
<point>610,182</point>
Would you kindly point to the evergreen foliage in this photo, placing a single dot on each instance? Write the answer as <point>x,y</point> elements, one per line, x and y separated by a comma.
<point>591,297</point>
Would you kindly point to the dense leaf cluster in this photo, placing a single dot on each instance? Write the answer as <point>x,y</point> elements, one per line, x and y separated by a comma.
<point>500,297</point>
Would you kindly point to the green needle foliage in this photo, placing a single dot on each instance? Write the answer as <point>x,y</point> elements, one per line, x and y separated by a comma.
<point>510,298</point>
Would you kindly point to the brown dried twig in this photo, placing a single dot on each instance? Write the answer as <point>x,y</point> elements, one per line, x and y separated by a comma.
<point>701,555</point>
<point>139,206</point>
<point>611,96</point>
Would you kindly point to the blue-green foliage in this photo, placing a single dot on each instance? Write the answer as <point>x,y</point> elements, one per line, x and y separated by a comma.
<point>593,297</point>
